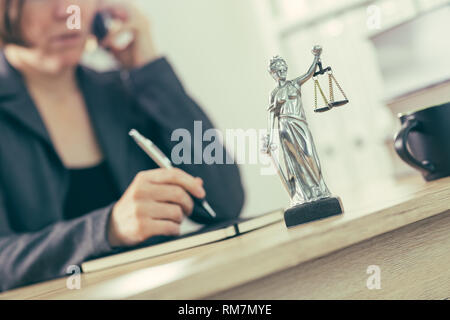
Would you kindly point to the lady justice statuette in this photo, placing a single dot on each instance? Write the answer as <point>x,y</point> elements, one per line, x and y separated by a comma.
<point>302,177</point>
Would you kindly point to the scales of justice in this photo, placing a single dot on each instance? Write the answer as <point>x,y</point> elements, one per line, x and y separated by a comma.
<point>302,175</point>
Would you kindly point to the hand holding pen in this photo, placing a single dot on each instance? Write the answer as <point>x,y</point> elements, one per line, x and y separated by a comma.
<point>161,160</point>
<point>155,203</point>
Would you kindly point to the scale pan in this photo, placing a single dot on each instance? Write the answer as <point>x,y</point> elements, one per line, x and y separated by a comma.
<point>338,103</point>
<point>323,109</point>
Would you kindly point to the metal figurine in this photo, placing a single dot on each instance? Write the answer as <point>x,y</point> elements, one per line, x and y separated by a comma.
<point>303,177</point>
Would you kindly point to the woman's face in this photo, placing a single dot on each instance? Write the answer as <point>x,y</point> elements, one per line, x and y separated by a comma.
<point>280,71</point>
<point>45,28</point>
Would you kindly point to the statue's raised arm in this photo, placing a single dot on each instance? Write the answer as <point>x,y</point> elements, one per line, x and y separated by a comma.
<point>317,51</point>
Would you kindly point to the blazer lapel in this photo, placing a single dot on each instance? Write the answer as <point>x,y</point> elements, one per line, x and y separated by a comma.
<point>17,103</point>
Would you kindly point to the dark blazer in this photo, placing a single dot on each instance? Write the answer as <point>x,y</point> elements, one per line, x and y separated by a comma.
<point>36,243</point>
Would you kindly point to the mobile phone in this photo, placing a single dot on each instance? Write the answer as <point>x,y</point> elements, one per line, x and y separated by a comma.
<point>101,25</point>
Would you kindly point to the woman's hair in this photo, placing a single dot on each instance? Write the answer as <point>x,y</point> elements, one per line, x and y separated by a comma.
<point>10,22</point>
<point>275,62</point>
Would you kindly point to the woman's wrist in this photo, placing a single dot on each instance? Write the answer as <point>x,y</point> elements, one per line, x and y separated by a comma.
<point>145,50</point>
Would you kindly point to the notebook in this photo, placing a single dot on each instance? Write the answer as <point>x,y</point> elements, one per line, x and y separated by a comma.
<point>204,236</point>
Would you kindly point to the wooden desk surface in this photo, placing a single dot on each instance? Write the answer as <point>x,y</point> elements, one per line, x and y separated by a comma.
<point>208,270</point>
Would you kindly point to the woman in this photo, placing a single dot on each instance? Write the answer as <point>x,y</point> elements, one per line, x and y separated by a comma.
<point>304,179</point>
<point>73,185</point>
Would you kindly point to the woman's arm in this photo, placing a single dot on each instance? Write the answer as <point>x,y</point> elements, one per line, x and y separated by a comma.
<point>28,258</point>
<point>317,51</point>
<point>271,126</point>
<point>308,75</point>
<point>268,139</point>
<point>271,122</point>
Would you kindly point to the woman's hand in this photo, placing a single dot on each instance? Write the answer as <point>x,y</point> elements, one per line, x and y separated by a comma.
<point>317,50</point>
<point>154,204</point>
<point>267,146</point>
<point>128,21</point>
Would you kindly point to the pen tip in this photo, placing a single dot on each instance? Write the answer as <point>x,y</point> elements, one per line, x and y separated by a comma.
<point>209,209</point>
<point>132,132</point>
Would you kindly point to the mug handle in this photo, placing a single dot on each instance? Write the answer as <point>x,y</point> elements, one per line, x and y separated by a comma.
<point>401,147</point>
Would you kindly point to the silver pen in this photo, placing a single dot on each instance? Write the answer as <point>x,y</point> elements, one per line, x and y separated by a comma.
<point>161,160</point>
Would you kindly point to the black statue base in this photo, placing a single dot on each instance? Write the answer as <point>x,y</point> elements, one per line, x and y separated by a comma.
<point>312,211</point>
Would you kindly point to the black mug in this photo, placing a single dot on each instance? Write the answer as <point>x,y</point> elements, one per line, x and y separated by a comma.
<point>424,141</point>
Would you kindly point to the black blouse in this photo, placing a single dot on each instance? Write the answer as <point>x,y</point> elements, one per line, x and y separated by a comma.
<point>89,189</point>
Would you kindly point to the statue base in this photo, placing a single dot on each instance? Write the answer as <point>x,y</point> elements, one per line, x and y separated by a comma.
<point>312,211</point>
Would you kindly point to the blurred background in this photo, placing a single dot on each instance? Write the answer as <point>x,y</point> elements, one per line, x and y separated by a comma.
<point>390,56</point>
